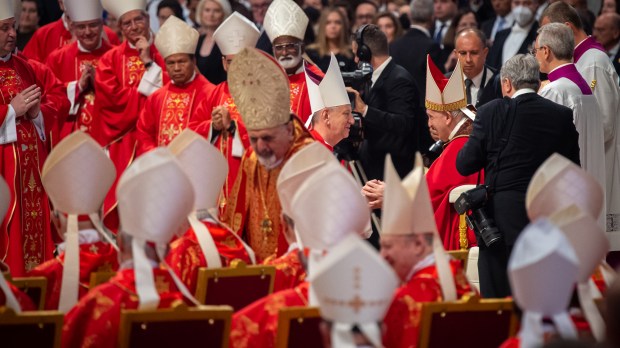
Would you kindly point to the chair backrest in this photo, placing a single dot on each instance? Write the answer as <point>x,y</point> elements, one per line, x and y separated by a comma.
<point>175,327</point>
<point>298,327</point>
<point>236,286</point>
<point>34,287</point>
<point>471,267</point>
<point>495,317</point>
<point>41,329</point>
<point>97,278</point>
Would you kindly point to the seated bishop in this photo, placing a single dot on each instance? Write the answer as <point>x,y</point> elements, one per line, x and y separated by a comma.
<point>208,242</point>
<point>155,197</point>
<point>173,107</point>
<point>321,221</point>
<point>224,128</point>
<point>410,243</point>
<point>77,176</point>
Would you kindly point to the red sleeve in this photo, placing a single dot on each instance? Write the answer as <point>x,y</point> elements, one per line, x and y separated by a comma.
<point>52,271</point>
<point>111,35</point>
<point>32,50</point>
<point>402,322</point>
<point>146,127</point>
<point>55,105</point>
<point>185,258</point>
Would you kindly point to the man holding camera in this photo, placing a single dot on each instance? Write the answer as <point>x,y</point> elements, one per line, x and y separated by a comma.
<point>511,138</point>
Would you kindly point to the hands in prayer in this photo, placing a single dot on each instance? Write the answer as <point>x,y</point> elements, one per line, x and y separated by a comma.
<point>373,191</point>
<point>221,118</point>
<point>27,102</point>
<point>87,80</point>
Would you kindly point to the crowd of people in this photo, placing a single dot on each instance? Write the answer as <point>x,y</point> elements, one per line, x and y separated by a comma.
<point>345,143</point>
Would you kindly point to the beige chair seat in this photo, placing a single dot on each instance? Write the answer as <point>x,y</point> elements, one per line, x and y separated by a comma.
<point>457,191</point>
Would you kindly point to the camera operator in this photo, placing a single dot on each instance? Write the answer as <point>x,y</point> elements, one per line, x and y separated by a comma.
<point>389,110</point>
<point>511,138</point>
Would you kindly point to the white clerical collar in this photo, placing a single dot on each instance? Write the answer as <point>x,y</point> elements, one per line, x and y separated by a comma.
<point>427,261</point>
<point>517,28</point>
<point>523,91</point>
<point>150,41</point>
<point>189,81</point>
<point>457,127</point>
<point>6,58</point>
<point>379,70</point>
<point>557,67</point>
<point>421,28</point>
<point>82,49</point>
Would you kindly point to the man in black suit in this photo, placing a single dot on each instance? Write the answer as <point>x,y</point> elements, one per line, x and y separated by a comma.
<point>519,37</point>
<point>410,50</point>
<point>511,138</point>
<point>503,19</point>
<point>481,82</point>
<point>389,110</point>
<point>607,33</point>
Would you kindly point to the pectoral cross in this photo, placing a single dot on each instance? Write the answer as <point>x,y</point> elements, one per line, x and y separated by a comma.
<point>266,228</point>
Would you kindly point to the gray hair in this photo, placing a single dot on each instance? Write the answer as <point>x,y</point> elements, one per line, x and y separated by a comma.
<point>559,38</point>
<point>522,71</point>
<point>315,116</point>
<point>421,11</point>
<point>457,114</point>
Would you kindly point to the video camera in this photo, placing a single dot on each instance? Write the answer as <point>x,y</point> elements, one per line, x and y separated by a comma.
<point>360,79</point>
<point>474,200</point>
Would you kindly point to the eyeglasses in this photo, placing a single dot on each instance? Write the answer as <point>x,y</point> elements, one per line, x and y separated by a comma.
<point>291,47</point>
<point>534,50</point>
<point>137,21</point>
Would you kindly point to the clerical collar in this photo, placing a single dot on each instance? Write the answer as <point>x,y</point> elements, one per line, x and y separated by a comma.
<point>457,127</point>
<point>82,49</point>
<point>188,81</point>
<point>428,261</point>
<point>6,58</point>
<point>421,28</point>
<point>523,91</point>
<point>150,41</point>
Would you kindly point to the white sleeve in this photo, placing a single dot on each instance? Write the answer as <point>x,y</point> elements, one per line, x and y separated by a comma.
<point>39,124</point>
<point>72,95</point>
<point>8,129</point>
<point>151,80</point>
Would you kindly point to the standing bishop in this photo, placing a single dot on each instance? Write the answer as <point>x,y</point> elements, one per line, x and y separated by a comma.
<point>174,106</point>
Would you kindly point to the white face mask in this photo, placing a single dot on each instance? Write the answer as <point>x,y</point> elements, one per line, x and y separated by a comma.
<point>523,15</point>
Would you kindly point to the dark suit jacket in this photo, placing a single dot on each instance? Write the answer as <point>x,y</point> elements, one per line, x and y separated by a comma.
<point>487,26</point>
<point>491,89</point>
<point>540,129</point>
<point>391,122</point>
<point>410,52</point>
<point>616,62</point>
<point>494,59</point>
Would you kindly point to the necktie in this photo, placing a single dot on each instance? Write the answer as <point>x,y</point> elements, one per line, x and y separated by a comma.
<point>502,21</point>
<point>468,84</point>
<point>438,34</point>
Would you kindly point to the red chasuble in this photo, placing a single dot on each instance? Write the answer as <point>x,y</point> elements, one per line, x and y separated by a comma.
<point>300,100</point>
<point>224,142</point>
<point>169,111</point>
<point>290,272</point>
<point>118,104</point>
<point>68,63</point>
<point>55,35</point>
<point>253,209</point>
<point>402,320</point>
<point>24,301</point>
<point>94,321</point>
<point>25,238</point>
<point>442,177</point>
<point>320,139</point>
<point>94,257</point>
<point>256,325</point>
<point>185,256</point>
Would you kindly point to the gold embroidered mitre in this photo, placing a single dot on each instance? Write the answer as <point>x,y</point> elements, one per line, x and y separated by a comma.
<point>119,7</point>
<point>260,89</point>
<point>444,94</point>
<point>175,36</point>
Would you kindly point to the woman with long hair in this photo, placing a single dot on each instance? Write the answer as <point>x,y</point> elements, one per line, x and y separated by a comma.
<point>464,19</point>
<point>389,25</point>
<point>209,15</point>
<point>333,38</point>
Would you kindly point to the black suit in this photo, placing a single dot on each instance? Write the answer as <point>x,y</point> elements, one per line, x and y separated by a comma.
<point>410,52</point>
<point>540,128</point>
<point>487,26</point>
<point>490,89</point>
<point>390,124</point>
<point>494,59</point>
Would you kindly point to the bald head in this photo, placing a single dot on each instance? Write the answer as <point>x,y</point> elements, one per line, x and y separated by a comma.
<point>607,30</point>
<point>470,48</point>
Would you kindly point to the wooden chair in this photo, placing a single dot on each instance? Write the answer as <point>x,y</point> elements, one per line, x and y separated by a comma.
<point>236,286</point>
<point>175,327</point>
<point>493,318</point>
<point>34,287</point>
<point>97,278</point>
<point>298,327</point>
<point>460,255</point>
<point>41,329</point>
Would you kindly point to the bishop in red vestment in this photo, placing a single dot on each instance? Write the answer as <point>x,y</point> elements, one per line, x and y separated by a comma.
<point>290,270</point>
<point>126,75</point>
<point>56,35</point>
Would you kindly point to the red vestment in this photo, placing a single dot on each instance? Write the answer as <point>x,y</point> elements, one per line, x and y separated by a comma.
<point>55,35</point>
<point>118,104</point>
<point>68,63</point>
<point>185,256</point>
<point>442,177</point>
<point>24,301</point>
<point>290,272</point>
<point>256,325</point>
<point>300,100</point>
<point>253,208</point>
<point>169,111</point>
<point>94,321</point>
<point>320,139</point>
<point>25,239</point>
<point>94,257</point>
<point>402,320</point>
<point>224,141</point>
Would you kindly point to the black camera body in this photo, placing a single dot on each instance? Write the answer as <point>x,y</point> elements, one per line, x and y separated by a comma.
<point>475,200</point>
<point>360,79</point>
